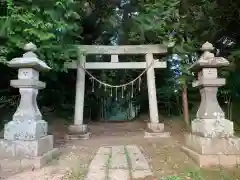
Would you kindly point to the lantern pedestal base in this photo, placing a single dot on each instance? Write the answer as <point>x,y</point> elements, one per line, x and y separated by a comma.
<point>207,152</point>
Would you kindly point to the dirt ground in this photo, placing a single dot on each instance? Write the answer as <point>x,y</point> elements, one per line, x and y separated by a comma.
<point>164,155</point>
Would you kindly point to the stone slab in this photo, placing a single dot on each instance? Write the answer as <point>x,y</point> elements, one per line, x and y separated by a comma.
<point>213,127</point>
<point>111,163</point>
<point>221,160</point>
<point>204,145</point>
<point>25,130</point>
<point>100,161</point>
<point>104,150</point>
<point>85,136</point>
<point>118,150</point>
<point>118,161</point>
<point>118,174</point>
<point>19,164</point>
<point>141,173</point>
<point>96,175</point>
<point>209,82</point>
<point>19,148</point>
<point>137,159</point>
<point>157,134</point>
<point>27,83</point>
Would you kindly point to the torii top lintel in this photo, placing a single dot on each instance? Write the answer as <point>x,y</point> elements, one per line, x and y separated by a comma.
<point>122,49</point>
<point>84,50</point>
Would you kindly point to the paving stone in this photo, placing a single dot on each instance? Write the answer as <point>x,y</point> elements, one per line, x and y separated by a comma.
<point>118,150</point>
<point>96,174</point>
<point>118,161</point>
<point>104,150</point>
<point>99,161</point>
<point>119,168</point>
<point>137,159</point>
<point>141,173</point>
<point>118,174</point>
<point>133,149</point>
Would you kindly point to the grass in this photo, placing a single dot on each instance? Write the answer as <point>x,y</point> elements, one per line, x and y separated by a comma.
<point>107,165</point>
<point>129,162</point>
<point>200,174</point>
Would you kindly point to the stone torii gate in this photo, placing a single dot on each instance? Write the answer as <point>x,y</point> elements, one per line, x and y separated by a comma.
<point>78,129</point>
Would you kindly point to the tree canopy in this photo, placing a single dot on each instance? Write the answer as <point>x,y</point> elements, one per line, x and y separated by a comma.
<point>56,26</point>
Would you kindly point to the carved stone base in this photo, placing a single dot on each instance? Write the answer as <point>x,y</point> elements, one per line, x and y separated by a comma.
<point>213,127</point>
<point>76,132</point>
<point>157,134</point>
<point>207,152</point>
<point>15,164</point>
<point>156,130</point>
<point>20,154</point>
<point>78,129</point>
<point>25,149</point>
<point>84,136</point>
<point>155,127</point>
<point>25,130</point>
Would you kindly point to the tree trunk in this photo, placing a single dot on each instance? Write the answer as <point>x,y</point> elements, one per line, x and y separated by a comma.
<point>185,105</point>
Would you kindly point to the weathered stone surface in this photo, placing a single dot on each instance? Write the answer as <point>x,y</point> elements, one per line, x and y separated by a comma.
<point>203,145</point>
<point>157,134</point>
<point>17,164</point>
<point>209,82</point>
<point>78,129</point>
<point>28,73</point>
<point>97,174</point>
<point>213,127</point>
<point>7,149</point>
<point>100,161</point>
<point>118,161</point>
<point>137,159</point>
<point>155,127</point>
<point>118,174</point>
<point>40,161</point>
<point>209,73</point>
<point>133,149</point>
<point>212,142</point>
<point>118,150</point>
<point>25,130</point>
<point>209,160</point>
<point>209,107</point>
<point>79,136</point>
<point>202,160</point>
<point>25,137</point>
<point>210,119</point>
<point>77,132</point>
<point>27,83</point>
<point>20,148</point>
<point>104,150</point>
<point>141,173</point>
<point>111,163</point>
<point>29,60</point>
<point>98,166</point>
<point>228,160</point>
<point>208,60</point>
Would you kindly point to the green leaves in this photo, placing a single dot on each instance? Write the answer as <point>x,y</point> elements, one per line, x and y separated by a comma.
<point>160,17</point>
<point>53,25</point>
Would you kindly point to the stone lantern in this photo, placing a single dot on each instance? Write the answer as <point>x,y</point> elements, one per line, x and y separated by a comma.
<point>25,137</point>
<point>212,140</point>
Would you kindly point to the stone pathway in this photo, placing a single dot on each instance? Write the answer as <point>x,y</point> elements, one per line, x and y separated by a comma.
<point>118,163</point>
